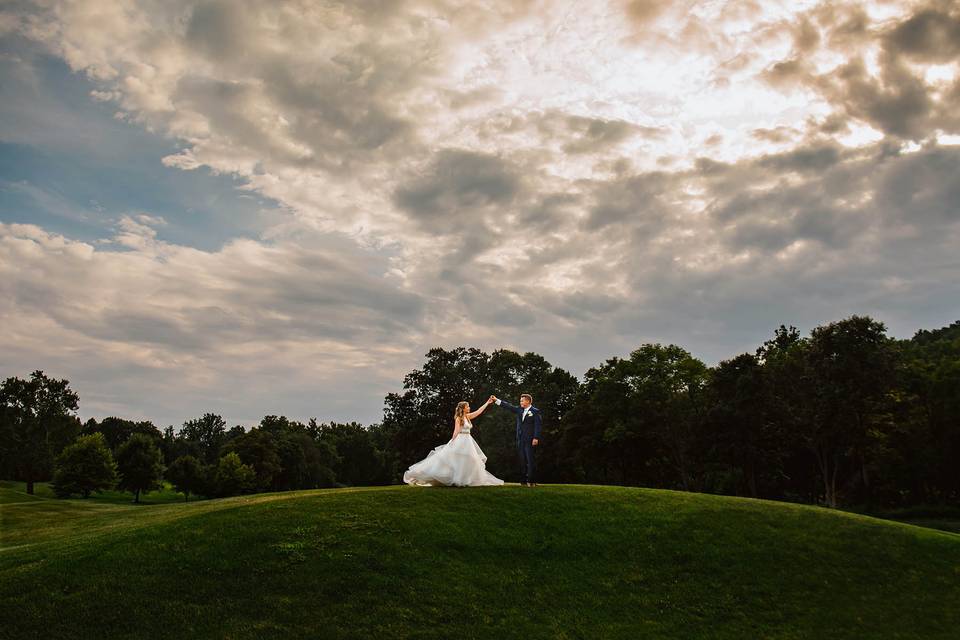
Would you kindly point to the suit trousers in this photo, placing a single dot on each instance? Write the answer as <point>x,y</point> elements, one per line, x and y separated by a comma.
<point>527,454</point>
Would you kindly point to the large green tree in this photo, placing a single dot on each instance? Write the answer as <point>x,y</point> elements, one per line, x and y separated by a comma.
<point>187,476</point>
<point>790,385</point>
<point>930,447</point>
<point>745,444</point>
<point>207,435</point>
<point>834,392</point>
<point>140,465</point>
<point>359,461</point>
<point>38,422</point>
<point>639,420</point>
<point>84,466</point>
<point>116,430</point>
<point>304,462</point>
<point>258,449</point>
<point>854,366</point>
<point>233,477</point>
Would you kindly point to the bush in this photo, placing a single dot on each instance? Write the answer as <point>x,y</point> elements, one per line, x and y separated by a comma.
<point>84,466</point>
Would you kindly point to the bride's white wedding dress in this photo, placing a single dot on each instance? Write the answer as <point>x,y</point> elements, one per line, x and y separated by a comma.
<point>459,462</point>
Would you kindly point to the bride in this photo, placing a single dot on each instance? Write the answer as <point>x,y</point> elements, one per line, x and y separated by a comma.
<point>459,462</point>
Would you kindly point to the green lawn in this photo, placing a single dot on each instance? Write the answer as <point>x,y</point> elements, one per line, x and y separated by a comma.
<point>558,561</point>
<point>936,523</point>
<point>945,517</point>
<point>17,492</point>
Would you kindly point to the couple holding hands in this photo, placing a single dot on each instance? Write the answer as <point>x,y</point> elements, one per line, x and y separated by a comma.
<point>460,462</point>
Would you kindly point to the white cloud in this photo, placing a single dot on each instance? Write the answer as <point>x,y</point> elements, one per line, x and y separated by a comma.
<point>571,177</point>
<point>306,313</point>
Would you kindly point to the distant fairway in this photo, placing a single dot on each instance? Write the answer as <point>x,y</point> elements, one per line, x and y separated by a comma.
<point>558,561</point>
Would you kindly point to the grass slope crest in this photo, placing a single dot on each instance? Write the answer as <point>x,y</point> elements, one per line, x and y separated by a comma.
<point>560,561</point>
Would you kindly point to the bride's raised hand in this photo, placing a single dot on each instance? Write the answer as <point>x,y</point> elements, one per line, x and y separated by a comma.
<point>480,410</point>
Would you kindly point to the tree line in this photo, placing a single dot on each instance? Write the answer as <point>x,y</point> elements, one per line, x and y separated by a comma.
<point>845,416</point>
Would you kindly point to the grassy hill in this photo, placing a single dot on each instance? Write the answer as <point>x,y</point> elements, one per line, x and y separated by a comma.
<point>560,561</point>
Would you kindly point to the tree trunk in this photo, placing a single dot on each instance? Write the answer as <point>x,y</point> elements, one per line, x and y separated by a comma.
<point>861,455</point>
<point>682,468</point>
<point>30,487</point>
<point>832,499</point>
<point>829,475</point>
<point>829,491</point>
<point>136,496</point>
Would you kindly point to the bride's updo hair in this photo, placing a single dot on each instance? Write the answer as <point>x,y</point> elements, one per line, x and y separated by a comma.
<point>461,409</point>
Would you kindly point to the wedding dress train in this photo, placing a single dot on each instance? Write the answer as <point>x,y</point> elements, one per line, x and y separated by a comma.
<point>459,462</point>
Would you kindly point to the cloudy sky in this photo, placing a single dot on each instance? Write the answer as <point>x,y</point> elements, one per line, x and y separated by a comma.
<point>255,207</point>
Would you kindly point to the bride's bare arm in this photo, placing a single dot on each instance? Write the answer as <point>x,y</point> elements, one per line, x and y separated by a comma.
<point>482,408</point>
<point>456,429</point>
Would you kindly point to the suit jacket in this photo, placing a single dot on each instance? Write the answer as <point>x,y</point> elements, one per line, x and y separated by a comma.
<point>529,427</point>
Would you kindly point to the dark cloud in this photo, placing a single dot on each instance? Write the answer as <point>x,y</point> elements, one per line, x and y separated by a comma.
<point>772,219</point>
<point>336,111</point>
<point>480,95</point>
<point>897,103</point>
<point>834,198</point>
<point>897,100</point>
<point>595,134</point>
<point>869,234</point>
<point>921,189</point>
<point>806,37</point>
<point>577,305</point>
<point>846,25</point>
<point>220,29</point>
<point>569,134</point>
<point>324,87</point>
<point>713,140</point>
<point>801,217</point>
<point>816,159</point>
<point>505,315</point>
<point>833,124</point>
<point>785,73</point>
<point>644,11</point>
<point>189,301</point>
<point>636,202</point>
<point>339,116</point>
<point>777,135</point>
<point>707,166</point>
<point>550,213</point>
<point>139,327</point>
<point>932,35</point>
<point>456,186</point>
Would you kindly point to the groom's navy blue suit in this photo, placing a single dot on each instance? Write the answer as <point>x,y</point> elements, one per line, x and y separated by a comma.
<point>528,428</point>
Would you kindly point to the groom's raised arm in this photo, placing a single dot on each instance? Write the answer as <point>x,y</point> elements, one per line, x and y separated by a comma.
<point>507,405</point>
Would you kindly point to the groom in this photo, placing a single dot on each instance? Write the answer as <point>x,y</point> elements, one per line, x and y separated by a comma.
<point>528,434</point>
